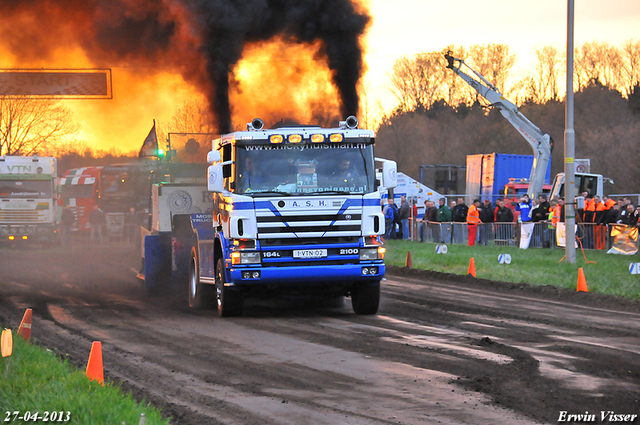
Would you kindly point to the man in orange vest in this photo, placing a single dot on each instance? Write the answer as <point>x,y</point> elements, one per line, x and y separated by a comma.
<point>473,219</point>
<point>589,209</point>
<point>588,217</point>
<point>608,214</point>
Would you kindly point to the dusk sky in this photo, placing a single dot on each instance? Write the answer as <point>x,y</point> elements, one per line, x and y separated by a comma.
<point>406,27</point>
<point>399,28</point>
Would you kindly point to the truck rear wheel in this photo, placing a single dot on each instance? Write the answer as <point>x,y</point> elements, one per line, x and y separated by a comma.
<point>229,299</point>
<point>200,295</point>
<point>365,297</point>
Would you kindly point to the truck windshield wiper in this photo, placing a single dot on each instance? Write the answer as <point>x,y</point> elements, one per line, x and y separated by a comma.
<point>333,192</point>
<point>268,192</point>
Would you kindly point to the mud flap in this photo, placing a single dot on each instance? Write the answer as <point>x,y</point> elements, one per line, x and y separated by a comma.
<point>180,263</point>
<point>156,260</point>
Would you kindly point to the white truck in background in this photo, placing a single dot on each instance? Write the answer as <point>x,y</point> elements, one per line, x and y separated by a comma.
<point>28,198</point>
<point>413,190</point>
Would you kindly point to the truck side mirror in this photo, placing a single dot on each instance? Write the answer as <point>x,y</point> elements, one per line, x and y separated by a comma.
<point>214,178</point>
<point>389,174</point>
<point>213,156</point>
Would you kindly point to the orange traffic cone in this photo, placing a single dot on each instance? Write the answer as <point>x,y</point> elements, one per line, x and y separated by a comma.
<point>25,326</point>
<point>95,370</point>
<point>582,282</point>
<point>408,262</point>
<point>472,267</point>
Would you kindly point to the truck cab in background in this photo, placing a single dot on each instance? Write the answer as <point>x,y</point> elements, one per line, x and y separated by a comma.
<point>28,198</point>
<point>593,184</point>
<point>80,189</point>
<point>515,189</point>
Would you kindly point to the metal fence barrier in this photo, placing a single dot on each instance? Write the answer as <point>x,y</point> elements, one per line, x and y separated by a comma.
<point>589,235</point>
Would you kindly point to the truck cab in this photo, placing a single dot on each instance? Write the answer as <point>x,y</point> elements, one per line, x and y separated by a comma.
<point>28,198</point>
<point>296,210</point>
<point>585,182</point>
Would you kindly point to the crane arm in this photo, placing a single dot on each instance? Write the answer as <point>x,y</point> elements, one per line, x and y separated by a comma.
<point>540,142</point>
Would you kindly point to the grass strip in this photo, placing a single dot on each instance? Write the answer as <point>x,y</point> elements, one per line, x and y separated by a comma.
<point>604,273</point>
<point>39,381</point>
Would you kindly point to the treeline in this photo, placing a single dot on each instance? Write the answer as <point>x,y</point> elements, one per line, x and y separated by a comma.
<point>452,122</point>
<point>90,158</point>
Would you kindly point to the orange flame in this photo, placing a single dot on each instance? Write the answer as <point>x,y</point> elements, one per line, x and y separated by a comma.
<point>277,80</point>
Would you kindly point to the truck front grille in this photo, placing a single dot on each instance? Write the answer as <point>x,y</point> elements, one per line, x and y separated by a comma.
<point>309,241</point>
<point>22,216</point>
<point>346,224</point>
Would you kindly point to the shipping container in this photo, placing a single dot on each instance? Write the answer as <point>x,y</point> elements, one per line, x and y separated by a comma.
<point>487,174</point>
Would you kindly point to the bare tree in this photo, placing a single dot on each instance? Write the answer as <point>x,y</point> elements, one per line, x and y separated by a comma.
<point>456,91</point>
<point>598,62</point>
<point>420,81</point>
<point>417,82</point>
<point>494,62</point>
<point>547,72</point>
<point>192,117</point>
<point>630,77</point>
<point>192,122</point>
<point>28,125</point>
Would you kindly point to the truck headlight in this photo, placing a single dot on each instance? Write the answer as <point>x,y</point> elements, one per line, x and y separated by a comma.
<point>245,257</point>
<point>372,253</point>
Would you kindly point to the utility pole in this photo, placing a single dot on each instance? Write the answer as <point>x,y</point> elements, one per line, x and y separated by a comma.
<point>569,148</point>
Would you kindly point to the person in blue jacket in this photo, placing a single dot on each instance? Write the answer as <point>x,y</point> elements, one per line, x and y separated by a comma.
<point>526,228</point>
<point>390,218</point>
<point>524,207</point>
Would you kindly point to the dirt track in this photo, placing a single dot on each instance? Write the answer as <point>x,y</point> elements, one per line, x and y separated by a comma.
<point>443,349</point>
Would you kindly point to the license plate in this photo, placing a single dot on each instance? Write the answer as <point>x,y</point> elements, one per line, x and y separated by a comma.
<point>309,253</point>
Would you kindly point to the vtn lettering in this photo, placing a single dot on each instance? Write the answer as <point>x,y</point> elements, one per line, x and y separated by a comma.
<point>18,168</point>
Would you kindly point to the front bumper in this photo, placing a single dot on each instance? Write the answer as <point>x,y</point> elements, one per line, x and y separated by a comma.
<point>307,275</point>
<point>23,232</point>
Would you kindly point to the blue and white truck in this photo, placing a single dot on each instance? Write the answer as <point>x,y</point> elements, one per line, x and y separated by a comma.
<point>296,210</point>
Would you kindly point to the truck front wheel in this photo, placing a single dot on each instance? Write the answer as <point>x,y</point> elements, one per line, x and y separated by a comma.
<point>229,299</point>
<point>200,295</point>
<point>365,297</point>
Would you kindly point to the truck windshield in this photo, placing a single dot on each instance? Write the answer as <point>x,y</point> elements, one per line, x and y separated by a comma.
<point>304,169</point>
<point>78,191</point>
<point>25,189</point>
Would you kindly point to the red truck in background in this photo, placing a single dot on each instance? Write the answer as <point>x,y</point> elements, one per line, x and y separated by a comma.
<point>80,189</point>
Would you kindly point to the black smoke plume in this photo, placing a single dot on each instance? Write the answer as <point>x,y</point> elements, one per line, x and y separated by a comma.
<point>204,39</point>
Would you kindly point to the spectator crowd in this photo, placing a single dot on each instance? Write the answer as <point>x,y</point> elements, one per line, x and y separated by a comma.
<point>481,221</point>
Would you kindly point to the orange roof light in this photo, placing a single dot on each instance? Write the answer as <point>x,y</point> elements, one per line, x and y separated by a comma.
<point>295,138</point>
<point>336,138</point>
<point>317,138</point>
<point>276,138</point>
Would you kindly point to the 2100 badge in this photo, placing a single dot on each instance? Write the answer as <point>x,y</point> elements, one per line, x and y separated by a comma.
<point>55,416</point>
